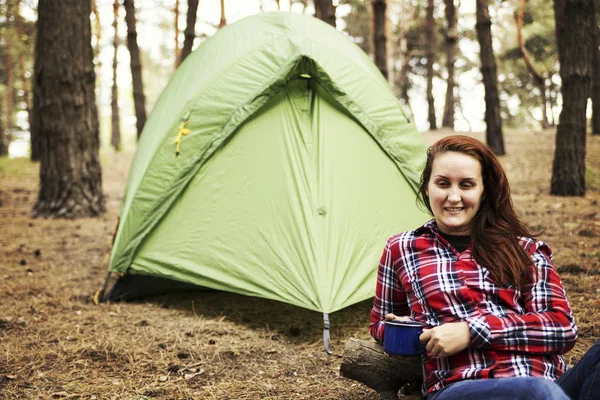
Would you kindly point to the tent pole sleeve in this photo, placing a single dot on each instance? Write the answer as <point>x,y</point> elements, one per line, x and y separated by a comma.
<point>328,348</point>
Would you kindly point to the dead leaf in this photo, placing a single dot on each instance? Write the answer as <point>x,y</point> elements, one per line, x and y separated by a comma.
<point>163,378</point>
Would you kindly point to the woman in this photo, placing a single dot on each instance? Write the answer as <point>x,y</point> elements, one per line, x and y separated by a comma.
<point>488,292</point>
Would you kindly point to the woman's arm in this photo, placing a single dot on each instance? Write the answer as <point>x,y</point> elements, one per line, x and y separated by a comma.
<point>547,326</point>
<point>389,296</point>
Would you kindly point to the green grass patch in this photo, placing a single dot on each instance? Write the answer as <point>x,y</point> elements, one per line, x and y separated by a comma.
<point>18,167</point>
<point>592,178</point>
<point>592,254</point>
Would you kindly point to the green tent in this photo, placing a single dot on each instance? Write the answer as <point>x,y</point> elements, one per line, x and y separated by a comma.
<point>275,163</point>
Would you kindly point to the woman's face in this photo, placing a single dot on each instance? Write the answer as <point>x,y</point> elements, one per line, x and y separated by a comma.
<point>454,190</point>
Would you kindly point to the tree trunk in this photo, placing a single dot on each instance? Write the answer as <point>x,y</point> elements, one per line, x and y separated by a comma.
<point>176,11</point>
<point>28,84</point>
<point>35,140</point>
<point>304,5</point>
<point>3,142</point>
<point>462,113</point>
<point>190,30</point>
<point>451,48</point>
<point>596,85</point>
<point>574,22</point>
<point>115,138</point>
<point>553,102</point>
<point>9,70</point>
<point>139,99</point>
<point>366,362</point>
<point>401,76</point>
<point>429,46</point>
<point>325,11</point>
<point>401,52</point>
<point>223,20</point>
<point>405,70</point>
<point>65,117</point>
<point>22,63</point>
<point>27,90</point>
<point>538,80</point>
<point>97,31</point>
<point>379,35</point>
<point>544,100</point>
<point>493,132</point>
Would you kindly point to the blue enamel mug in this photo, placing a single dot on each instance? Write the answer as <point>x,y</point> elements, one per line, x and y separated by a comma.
<point>401,338</point>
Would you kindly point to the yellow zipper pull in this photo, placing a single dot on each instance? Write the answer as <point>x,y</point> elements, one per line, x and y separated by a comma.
<point>182,131</point>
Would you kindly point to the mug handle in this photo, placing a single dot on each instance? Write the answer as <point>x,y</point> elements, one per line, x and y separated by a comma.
<point>421,345</point>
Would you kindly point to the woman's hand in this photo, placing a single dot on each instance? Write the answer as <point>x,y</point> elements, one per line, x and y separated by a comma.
<point>447,339</point>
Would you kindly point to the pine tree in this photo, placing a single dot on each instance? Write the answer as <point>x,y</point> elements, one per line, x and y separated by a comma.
<point>65,118</point>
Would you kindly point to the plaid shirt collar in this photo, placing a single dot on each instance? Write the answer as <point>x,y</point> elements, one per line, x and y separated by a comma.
<point>429,226</point>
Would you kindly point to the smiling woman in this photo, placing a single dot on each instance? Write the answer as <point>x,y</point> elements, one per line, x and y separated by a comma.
<point>487,213</point>
<point>488,293</point>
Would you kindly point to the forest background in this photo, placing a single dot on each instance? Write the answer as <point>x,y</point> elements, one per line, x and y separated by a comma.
<point>407,57</point>
<point>56,343</point>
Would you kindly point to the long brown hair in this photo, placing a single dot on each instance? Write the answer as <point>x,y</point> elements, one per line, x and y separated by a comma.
<point>495,228</point>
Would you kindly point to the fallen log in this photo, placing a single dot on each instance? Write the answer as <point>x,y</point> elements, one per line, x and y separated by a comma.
<point>365,362</point>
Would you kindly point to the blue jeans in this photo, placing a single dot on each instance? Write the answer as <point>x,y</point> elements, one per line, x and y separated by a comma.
<point>582,382</point>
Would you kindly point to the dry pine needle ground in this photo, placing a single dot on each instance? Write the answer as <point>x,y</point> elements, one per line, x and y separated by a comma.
<point>56,343</point>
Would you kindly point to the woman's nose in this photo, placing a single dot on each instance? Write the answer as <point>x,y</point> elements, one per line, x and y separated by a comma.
<point>454,195</point>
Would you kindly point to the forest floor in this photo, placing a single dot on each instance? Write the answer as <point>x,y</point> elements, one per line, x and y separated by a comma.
<point>56,343</point>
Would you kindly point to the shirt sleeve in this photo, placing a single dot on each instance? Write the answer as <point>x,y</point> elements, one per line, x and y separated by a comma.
<point>389,296</point>
<point>547,327</point>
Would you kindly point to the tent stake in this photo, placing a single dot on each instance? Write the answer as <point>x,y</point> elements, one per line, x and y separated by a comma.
<point>328,348</point>
<point>105,286</point>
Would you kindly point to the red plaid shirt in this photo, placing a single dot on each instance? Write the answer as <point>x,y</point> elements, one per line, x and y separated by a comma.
<point>513,332</point>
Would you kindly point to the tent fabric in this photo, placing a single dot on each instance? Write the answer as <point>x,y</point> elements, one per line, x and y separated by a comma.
<point>298,164</point>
